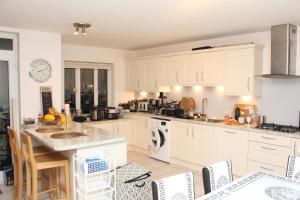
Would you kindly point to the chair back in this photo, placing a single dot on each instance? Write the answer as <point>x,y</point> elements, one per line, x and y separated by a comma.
<point>27,148</point>
<point>14,146</point>
<point>180,186</point>
<point>293,168</point>
<point>217,175</point>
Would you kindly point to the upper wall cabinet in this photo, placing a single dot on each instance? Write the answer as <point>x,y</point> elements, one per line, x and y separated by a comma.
<point>233,67</point>
<point>241,67</point>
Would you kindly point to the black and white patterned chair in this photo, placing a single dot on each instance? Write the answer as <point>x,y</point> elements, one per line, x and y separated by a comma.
<point>178,187</point>
<point>293,168</point>
<point>217,175</point>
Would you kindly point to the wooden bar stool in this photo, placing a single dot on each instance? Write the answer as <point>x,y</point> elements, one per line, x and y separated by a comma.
<point>48,161</point>
<point>17,158</point>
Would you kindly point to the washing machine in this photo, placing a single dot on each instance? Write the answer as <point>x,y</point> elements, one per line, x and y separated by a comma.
<point>160,138</point>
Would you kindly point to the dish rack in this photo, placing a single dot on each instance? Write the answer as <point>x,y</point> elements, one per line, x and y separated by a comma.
<point>95,177</point>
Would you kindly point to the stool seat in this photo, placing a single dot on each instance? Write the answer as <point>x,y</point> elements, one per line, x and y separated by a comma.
<point>50,160</point>
<point>40,150</point>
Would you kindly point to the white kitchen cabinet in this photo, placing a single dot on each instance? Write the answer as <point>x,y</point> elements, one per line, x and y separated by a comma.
<point>241,67</point>
<point>258,166</point>
<point>135,75</point>
<point>141,132</point>
<point>234,146</point>
<point>153,74</point>
<point>212,73</point>
<point>193,66</point>
<point>123,128</point>
<point>207,140</point>
<point>173,67</point>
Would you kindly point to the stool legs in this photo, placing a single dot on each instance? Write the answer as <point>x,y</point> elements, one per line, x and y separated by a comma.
<point>28,182</point>
<point>67,180</point>
<point>51,183</point>
<point>58,190</point>
<point>19,181</point>
<point>34,183</point>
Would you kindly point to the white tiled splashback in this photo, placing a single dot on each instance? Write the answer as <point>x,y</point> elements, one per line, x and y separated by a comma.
<point>280,100</point>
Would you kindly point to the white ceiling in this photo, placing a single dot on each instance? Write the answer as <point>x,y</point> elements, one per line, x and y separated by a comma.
<point>138,24</point>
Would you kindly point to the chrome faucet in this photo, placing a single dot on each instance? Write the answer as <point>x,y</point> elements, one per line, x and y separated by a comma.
<point>203,115</point>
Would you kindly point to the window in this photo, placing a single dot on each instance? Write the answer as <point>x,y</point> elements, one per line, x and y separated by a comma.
<point>6,44</point>
<point>87,85</point>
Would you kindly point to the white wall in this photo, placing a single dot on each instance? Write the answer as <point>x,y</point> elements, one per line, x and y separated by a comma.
<point>33,45</point>
<point>280,100</point>
<point>104,55</point>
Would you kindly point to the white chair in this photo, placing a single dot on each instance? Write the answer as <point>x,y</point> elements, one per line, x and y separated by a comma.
<point>180,186</point>
<point>293,168</point>
<point>217,175</point>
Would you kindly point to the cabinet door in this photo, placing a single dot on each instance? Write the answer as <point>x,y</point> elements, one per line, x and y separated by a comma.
<point>141,132</point>
<point>135,75</point>
<point>235,147</point>
<point>193,65</point>
<point>182,142</point>
<point>239,72</point>
<point>125,129</point>
<point>105,126</point>
<point>212,74</point>
<point>208,141</point>
<point>153,71</point>
<point>173,70</point>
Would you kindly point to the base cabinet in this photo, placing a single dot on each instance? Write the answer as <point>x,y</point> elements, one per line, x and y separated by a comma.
<point>141,132</point>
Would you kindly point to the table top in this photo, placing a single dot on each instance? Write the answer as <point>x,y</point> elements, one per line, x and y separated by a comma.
<point>256,186</point>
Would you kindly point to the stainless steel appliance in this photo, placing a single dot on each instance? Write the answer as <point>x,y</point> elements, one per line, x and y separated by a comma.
<point>143,106</point>
<point>283,51</point>
<point>278,127</point>
<point>97,114</point>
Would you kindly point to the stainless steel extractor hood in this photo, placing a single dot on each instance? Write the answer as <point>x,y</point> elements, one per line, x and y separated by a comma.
<point>283,51</point>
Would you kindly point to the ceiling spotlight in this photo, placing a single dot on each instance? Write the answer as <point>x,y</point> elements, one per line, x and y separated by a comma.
<point>82,27</point>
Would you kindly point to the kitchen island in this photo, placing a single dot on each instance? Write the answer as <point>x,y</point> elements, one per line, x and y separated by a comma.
<point>91,141</point>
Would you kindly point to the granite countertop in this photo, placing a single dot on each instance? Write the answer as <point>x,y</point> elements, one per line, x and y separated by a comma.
<point>221,124</point>
<point>94,137</point>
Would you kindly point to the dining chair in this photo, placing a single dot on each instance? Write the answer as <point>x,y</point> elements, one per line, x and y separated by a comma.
<point>217,175</point>
<point>180,186</point>
<point>293,168</point>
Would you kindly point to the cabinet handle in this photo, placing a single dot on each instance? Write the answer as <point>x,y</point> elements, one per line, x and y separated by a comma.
<point>177,74</point>
<point>267,148</point>
<point>267,138</point>
<point>248,84</point>
<point>139,84</point>
<point>230,132</point>
<point>202,75</point>
<point>156,84</point>
<point>197,76</point>
<point>146,124</point>
<point>118,128</point>
<point>265,168</point>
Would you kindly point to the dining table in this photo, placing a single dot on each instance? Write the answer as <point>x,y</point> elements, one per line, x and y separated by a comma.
<point>257,186</point>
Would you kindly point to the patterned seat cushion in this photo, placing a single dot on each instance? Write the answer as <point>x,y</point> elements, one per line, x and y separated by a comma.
<point>178,187</point>
<point>293,170</point>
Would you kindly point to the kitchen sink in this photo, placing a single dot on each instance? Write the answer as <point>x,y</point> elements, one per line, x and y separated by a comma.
<point>211,120</point>
<point>66,135</point>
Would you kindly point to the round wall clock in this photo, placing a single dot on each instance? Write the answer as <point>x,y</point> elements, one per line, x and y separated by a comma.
<point>40,70</point>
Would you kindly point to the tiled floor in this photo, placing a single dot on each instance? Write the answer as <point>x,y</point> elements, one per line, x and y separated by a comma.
<point>159,170</point>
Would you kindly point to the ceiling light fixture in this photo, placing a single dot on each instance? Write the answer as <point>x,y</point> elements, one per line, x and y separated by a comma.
<point>82,27</point>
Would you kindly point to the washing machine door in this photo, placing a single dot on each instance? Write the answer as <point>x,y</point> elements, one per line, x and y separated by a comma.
<point>157,139</point>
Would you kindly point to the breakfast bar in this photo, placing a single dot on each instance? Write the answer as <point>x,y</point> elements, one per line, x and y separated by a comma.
<point>82,141</point>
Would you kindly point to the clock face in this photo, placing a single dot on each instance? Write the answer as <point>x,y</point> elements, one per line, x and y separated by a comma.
<point>40,70</point>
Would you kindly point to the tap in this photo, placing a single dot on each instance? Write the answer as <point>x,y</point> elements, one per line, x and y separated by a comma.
<point>203,108</point>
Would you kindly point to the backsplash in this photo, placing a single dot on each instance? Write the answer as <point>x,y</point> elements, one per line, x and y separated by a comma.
<point>280,101</point>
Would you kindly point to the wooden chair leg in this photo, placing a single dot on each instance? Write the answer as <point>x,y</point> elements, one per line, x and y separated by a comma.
<point>14,197</point>
<point>28,181</point>
<point>58,182</point>
<point>20,181</point>
<point>43,181</point>
<point>34,183</point>
<point>51,183</point>
<point>67,180</point>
